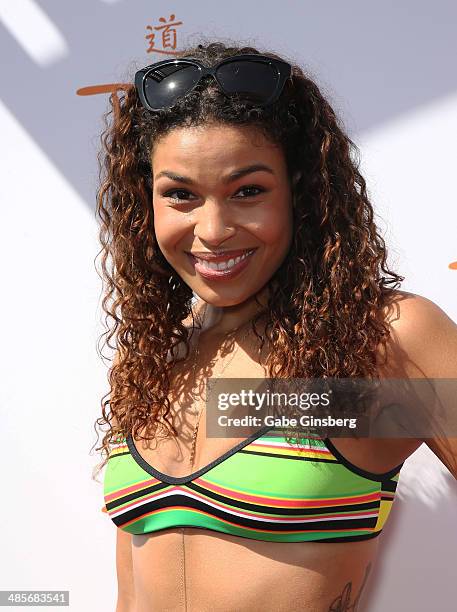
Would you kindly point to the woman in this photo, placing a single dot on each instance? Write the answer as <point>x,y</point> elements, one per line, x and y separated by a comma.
<point>239,186</point>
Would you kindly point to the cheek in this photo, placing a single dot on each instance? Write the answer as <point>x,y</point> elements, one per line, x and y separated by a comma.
<point>275,228</point>
<point>169,230</point>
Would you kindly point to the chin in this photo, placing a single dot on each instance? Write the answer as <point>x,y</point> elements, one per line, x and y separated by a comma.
<point>225,298</point>
<point>219,301</point>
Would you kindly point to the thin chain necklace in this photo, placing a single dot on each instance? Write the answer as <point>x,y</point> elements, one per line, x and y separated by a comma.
<point>203,400</point>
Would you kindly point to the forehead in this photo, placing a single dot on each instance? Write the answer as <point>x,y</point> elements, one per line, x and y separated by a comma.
<point>210,146</point>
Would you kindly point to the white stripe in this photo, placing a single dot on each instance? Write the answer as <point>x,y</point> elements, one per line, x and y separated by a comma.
<point>289,446</point>
<point>241,514</point>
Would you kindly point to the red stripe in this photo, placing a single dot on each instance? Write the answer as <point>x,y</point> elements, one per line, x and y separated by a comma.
<point>247,529</point>
<point>287,503</point>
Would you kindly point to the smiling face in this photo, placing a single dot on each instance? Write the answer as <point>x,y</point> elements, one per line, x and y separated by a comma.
<point>221,193</point>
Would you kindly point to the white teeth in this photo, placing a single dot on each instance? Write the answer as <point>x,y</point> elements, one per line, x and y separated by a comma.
<point>223,265</point>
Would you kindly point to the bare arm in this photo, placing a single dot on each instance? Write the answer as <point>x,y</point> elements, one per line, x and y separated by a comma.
<point>124,566</point>
<point>124,569</point>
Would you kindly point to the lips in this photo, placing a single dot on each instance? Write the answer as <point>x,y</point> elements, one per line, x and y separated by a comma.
<point>219,257</point>
<point>210,269</point>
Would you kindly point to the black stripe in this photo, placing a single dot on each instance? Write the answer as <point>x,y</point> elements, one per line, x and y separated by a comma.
<point>135,495</point>
<point>135,513</point>
<point>350,538</point>
<point>389,486</point>
<point>119,454</point>
<point>282,511</point>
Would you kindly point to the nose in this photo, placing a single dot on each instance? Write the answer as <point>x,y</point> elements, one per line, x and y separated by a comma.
<point>213,224</point>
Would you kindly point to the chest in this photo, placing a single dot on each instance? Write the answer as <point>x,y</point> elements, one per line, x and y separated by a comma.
<point>188,408</point>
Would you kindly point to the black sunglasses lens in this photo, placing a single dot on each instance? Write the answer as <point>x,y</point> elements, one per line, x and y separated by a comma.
<point>255,81</point>
<point>164,85</point>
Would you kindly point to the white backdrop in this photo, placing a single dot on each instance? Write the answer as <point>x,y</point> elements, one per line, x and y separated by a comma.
<point>389,72</point>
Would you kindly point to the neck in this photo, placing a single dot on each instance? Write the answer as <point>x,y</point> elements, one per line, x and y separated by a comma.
<point>226,319</point>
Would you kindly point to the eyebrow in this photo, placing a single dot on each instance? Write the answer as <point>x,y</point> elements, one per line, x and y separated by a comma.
<point>228,179</point>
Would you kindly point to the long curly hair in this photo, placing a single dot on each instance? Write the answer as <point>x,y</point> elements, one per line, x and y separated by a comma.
<point>324,311</point>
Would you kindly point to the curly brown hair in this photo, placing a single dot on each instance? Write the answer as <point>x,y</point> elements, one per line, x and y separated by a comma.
<point>324,312</point>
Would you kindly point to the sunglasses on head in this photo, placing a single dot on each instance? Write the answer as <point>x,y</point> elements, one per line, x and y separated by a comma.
<point>253,78</point>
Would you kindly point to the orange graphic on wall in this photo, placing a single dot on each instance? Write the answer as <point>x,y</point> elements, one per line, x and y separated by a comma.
<point>169,37</point>
<point>111,88</point>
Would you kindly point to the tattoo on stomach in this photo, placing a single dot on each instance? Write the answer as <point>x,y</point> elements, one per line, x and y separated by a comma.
<point>343,602</point>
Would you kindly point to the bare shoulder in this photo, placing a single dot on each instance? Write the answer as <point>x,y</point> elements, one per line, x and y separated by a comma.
<point>418,330</point>
<point>423,343</point>
<point>423,338</point>
<point>408,311</point>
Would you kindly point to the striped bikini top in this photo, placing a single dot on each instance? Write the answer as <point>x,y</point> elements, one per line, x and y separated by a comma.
<point>264,489</point>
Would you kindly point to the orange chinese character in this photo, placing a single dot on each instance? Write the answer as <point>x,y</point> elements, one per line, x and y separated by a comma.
<point>168,35</point>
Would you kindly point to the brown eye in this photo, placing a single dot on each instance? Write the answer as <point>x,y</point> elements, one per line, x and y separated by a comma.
<point>168,194</point>
<point>250,188</point>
